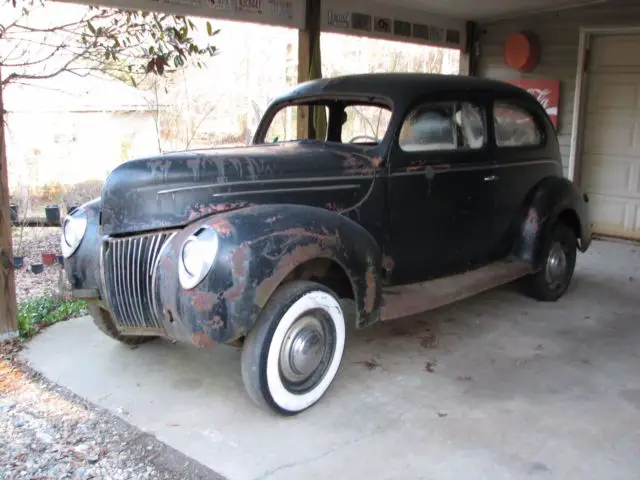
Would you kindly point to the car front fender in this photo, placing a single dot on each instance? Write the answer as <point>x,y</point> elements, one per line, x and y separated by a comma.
<point>259,248</point>
<point>551,200</point>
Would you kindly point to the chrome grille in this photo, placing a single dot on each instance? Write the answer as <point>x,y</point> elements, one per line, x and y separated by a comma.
<point>129,269</point>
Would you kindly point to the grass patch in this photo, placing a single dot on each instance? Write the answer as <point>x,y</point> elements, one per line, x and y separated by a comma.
<point>37,313</point>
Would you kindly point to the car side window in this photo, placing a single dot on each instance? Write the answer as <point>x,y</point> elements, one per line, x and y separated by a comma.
<point>443,126</point>
<point>514,126</point>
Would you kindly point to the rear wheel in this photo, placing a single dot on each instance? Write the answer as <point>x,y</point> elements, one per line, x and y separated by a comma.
<point>293,353</point>
<point>106,325</point>
<point>558,264</point>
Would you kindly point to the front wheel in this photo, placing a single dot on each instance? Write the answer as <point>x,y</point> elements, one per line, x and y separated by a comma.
<point>559,261</point>
<point>292,354</point>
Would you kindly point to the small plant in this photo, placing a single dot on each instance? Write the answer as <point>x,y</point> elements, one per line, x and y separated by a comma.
<point>37,313</point>
<point>18,252</point>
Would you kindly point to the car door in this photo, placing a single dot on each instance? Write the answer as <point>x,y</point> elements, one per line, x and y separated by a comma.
<point>524,156</point>
<point>441,194</point>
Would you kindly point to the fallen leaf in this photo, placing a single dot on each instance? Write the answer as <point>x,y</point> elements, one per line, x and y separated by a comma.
<point>371,364</point>
<point>430,366</point>
<point>429,340</point>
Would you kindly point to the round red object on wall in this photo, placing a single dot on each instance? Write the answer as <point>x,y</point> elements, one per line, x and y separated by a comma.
<point>522,51</point>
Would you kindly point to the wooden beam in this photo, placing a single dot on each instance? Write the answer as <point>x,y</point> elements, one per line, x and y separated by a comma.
<point>308,41</point>
<point>8,307</point>
<point>469,55</point>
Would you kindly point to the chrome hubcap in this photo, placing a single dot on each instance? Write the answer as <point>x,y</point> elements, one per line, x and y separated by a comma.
<point>556,268</point>
<point>303,349</point>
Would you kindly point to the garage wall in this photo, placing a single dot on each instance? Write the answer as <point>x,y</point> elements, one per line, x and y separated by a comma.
<point>559,34</point>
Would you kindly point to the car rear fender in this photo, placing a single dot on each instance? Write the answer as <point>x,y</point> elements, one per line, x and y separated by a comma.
<point>551,200</point>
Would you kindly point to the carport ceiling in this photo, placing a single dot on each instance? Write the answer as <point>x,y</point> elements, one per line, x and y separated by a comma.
<point>487,9</point>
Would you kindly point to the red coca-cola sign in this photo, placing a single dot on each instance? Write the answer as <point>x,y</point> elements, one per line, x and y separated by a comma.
<point>546,91</point>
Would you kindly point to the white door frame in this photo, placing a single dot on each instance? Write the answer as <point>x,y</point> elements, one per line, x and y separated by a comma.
<point>580,96</point>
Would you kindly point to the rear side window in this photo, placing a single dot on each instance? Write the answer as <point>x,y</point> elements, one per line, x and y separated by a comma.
<point>443,126</point>
<point>514,126</point>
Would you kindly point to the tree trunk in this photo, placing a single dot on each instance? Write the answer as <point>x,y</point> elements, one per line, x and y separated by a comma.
<point>8,319</point>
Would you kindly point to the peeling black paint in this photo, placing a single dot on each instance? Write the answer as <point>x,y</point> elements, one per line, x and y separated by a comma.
<point>551,198</point>
<point>255,258</point>
<point>276,207</point>
<point>176,189</point>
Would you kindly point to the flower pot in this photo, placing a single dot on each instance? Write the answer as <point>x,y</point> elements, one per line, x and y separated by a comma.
<point>14,213</point>
<point>37,268</point>
<point>72,208</point>
<point>48,258</point>
<point>52,213</point>
<point>18,262</point>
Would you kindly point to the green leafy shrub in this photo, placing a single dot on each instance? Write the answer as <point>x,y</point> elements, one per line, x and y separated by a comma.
<point>37,313</point>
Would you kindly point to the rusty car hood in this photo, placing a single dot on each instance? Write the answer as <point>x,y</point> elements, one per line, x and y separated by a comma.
<point>175,189</point>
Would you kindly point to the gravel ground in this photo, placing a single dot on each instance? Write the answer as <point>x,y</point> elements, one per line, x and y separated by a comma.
<point>35,241</point>
<point>48,433</point>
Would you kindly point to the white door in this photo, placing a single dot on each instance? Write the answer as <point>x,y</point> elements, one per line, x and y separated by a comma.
<point>610,166</point>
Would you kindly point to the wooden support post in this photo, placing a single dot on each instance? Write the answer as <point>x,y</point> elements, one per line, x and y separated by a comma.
<point>8,308</point>
<point>469,54</point>
<point>308,41</point>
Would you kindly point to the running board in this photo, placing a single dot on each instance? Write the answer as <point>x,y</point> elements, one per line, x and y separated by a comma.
<point>406,300</point>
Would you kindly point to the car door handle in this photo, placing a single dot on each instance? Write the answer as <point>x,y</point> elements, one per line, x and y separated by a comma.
<point>490,178</point>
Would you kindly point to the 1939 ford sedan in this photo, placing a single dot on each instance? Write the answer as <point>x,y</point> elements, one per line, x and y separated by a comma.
<point>403,192</point>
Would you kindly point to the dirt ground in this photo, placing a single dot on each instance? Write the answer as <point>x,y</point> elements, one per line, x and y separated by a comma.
<point>34,241</point>
<point>48,433</point>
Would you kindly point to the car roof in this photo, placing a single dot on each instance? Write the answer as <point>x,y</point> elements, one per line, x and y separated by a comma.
<point>400,87</point>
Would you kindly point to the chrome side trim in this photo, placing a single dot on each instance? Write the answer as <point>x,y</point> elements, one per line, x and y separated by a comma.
<point>289,190</point>
<point>436,169</point>
<point>266,181</point>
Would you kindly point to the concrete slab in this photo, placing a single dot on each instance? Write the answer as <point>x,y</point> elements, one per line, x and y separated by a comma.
<point>495,387</point>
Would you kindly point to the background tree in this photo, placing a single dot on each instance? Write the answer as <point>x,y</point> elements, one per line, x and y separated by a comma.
<point>124,44</point>
<point>129,45</point>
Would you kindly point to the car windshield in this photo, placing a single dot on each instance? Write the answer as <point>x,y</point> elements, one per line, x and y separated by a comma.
<point>330,121</point>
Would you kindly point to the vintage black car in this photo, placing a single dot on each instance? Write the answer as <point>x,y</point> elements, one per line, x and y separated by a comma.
<point>399,194</point>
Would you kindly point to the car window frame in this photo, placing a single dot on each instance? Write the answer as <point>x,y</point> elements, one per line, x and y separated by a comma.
<point>527,108</point>
<point>259,138</point>
<point>435,156</point>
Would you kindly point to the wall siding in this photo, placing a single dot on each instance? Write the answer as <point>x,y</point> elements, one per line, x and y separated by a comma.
<point>559,34</point>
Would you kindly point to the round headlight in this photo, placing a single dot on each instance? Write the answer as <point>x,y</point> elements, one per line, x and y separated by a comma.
<point>73,229</point>
<point>197,257</point>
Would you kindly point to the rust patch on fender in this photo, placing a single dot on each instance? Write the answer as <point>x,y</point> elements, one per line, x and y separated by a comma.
<point>334,207</point>
<point>202,340</point>
<point>215,323</point>
<point>234,292</point>
<point>370,295</point>
<point>239,261</point>
<point>223,227</point>
<point>203,301</point>
<point>531,224</point>
<point>199,211</point>
<point>388,263</point>
<point>301,232</point>
<point>286,263</point>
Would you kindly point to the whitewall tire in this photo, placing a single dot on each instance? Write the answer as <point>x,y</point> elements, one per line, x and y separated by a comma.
<point>294,351</point>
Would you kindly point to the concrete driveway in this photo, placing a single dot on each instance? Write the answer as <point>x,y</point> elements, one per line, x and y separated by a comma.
<point>495,387</point>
